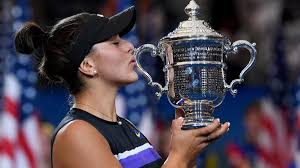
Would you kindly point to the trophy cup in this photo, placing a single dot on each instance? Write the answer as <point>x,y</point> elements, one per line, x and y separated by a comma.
<point>193,56</point>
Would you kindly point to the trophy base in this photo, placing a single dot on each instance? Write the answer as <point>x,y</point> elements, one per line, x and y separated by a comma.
<point>197,124</point>
<point>198,115</point>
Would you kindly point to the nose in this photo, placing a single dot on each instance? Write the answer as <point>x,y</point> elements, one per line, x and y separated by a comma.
<point>129,47</point>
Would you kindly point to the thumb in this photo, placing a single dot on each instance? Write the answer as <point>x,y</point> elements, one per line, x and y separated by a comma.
<point>177,123</point>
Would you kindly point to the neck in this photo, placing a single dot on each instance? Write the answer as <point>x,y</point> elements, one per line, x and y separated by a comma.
<point>99,101</point>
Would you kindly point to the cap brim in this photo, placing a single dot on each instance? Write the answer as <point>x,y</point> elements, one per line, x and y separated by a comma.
<point>120,24</point>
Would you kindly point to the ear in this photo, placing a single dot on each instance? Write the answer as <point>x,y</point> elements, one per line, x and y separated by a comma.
<point>87,67</point>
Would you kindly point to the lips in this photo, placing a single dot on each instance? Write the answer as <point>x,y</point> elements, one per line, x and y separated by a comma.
<point>132,60</point>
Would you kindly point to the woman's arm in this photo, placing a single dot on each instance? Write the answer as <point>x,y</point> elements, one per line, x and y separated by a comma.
<point>79,145</point>
<point>175,160</point>
<point>187,144</point>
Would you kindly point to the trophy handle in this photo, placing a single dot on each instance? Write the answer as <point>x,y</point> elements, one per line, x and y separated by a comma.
<point>234,49</point>
<point>154,52</point>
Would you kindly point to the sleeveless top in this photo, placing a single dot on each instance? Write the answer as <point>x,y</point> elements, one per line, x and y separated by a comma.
<point>126,142</point>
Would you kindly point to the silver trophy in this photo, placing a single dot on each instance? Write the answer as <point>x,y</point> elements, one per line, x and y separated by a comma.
<point>193,56</point>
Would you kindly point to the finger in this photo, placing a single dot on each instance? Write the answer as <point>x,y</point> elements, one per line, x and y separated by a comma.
<point>208,129</point>
<point>202,139</point>
<point>219,132</point>
<point>202,145</point>
<point>177,123</point>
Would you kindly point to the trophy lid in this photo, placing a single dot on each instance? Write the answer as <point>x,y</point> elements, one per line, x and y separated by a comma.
<point>193,27</point>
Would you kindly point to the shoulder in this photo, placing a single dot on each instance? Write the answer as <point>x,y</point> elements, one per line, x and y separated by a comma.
<point>79,144</point>
<point>78,129</point>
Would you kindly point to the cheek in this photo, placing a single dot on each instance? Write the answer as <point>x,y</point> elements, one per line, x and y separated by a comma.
<point>112,66</point>
<point>107,61</point>
<point>117,71</point>
<point>108,69</point>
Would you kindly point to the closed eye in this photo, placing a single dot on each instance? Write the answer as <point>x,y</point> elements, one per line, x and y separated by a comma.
<point>116,43</point>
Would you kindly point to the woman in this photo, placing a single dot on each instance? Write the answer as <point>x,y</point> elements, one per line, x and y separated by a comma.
<point>85,53</point>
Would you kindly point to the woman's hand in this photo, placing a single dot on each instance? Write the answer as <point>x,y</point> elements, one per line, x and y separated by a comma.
<point>187,144</point>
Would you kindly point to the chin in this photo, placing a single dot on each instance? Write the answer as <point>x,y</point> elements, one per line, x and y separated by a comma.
<point>133,78</point>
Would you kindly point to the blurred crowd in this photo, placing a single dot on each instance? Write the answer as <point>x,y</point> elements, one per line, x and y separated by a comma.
<point>269,131</point>
<point>252,20</point>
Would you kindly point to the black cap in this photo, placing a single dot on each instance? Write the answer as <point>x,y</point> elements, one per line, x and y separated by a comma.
<point>98,28</point>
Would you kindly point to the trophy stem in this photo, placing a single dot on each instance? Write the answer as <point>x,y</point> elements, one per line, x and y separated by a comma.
<point>198,114</point>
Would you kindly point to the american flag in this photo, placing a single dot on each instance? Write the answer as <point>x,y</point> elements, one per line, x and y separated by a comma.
<point>19,123</point>
<point>275,136</point>
<point>272,146</point>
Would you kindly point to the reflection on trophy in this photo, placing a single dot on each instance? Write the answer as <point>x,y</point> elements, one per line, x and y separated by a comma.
<point>193,56</point>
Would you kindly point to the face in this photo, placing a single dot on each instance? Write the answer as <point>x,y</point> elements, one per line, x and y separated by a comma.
<point>114,62</point>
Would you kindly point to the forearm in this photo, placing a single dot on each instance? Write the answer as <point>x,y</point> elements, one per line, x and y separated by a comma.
<point>174,160</point>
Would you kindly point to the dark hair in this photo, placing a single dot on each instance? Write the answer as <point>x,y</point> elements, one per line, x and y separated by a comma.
<point>50,49</point>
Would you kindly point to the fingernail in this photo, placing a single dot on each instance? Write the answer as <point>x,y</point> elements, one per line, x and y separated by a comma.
<point>228,123</point>
<point>218,119</point>
<point>227,129</point>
